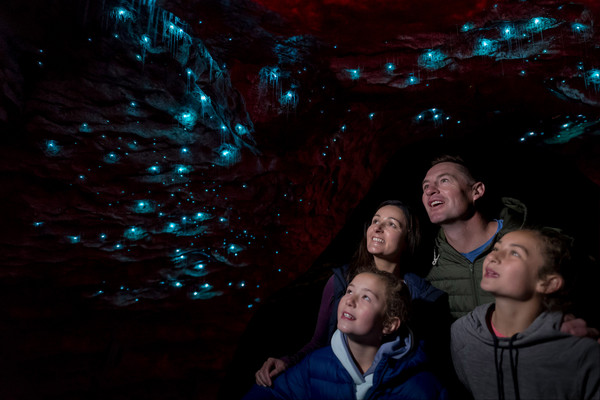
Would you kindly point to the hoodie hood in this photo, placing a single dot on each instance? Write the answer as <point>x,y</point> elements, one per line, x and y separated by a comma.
<point>544,328</point>
<point>396,348</point>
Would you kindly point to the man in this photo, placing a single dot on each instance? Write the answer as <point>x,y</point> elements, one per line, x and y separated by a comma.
<point>452,198</point>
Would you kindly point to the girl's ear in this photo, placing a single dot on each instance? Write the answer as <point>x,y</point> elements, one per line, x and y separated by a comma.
<point>478,189</point>
<point>550,283</point>
<point>391,325</point>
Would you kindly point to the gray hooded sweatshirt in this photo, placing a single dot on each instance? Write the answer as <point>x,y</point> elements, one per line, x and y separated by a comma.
<point>538,363</point>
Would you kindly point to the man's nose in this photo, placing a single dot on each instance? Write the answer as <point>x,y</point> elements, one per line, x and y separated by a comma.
<point>430,189</point>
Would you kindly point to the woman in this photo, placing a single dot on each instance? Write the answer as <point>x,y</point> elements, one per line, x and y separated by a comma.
<point>389,243</point>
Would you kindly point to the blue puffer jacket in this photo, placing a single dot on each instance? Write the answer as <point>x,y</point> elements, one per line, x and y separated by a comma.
<point>321,375</point>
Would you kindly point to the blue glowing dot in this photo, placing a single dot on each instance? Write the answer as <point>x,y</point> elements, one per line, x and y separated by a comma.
<point>74,239</point>
<point>412,80</point>
<point>37,224</point>
<point>102,236</point>
<point>118,246</point>
<point>183,169</point>
<point>390,67</point>
<point>84,128</point>
<point>353,73</point>
<point>432,59</point>
<point>199,266</point>
<point>187,118</point>
<point>467,27</point>
<point>112,158</point>
<point>155,169</point>
<point>143,206</point>
<point>371,115</point>
<point>485,47</point>
<point>52,148</point>
<point>177,284</point>
<point>134,233</point>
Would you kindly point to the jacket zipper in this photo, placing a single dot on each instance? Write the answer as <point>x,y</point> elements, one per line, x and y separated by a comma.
<point>474,284</point>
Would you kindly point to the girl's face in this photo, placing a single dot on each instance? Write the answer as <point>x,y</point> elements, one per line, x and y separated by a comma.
<point>511,270</point>
<point>387,234</point>
<point>361,311</point>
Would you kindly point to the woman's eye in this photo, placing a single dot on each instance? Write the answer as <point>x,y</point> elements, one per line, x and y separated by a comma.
<point>514,253</point>
<point>367,298</point>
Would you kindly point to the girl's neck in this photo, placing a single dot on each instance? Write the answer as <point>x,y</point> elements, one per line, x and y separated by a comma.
<point>511,317</point>
<point>362,354</point>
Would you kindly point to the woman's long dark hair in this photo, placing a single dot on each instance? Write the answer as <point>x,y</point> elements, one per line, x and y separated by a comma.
<point>363,260</point>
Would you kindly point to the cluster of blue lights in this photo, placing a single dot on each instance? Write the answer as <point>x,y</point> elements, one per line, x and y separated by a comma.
<point>271,83</point>
<point>539,24</point>
<point>563,131</point>
<point>434,115</point>
<point>142,217</point>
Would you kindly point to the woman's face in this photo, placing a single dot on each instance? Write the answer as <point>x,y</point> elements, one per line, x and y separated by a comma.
<point>387,234</point>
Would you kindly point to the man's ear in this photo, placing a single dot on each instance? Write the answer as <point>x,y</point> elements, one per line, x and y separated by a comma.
<point>391,325</point>
<point>478,189</point>
<point>550,283</point>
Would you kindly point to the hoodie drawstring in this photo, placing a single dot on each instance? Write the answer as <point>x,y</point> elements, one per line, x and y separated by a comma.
<point>498,365</point>
<point>513,366</point>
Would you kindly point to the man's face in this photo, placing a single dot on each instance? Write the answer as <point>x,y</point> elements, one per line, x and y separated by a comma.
<point>448,195</point>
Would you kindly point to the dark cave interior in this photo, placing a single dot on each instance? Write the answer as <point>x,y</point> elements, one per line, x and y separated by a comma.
<point>176,173</point>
